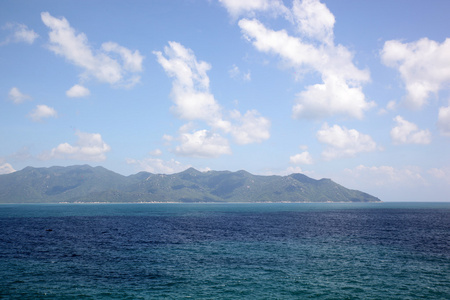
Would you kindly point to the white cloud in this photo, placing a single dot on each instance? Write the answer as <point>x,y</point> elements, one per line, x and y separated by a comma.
<point>442,174</point>
<point>16,96</point>
<point>302,158</point>
<point>314,20</point>
<point>194,102</point>
<point>288,171</point>
<point>236,73</point>
<point>75,48</point>
<point>20,33</point>
<point>22,155</point>
<point>386,175</point>
<point>343,142</point>
<point>195,105</point>
<point>291,170</point>
<point>202,143</point>
<point>398,183</point>
<point>392,105</point>
<point>437,173</point>
<point>341,91</point>
<point>41,112</point>
<point>238,7</point>
<point>132,61</point>
<point>408,133</point>
<point>289,48</point>
<point>444,120</point>
<point>168,138</point>
<point>89,147</point>
<point>6,168</point>
<point>158,166</point>
<point>156,152</point>
<point>333,97</point>
<point>250,128</point>
<point>190,90</point>
<point>247,76</point>
<point>326,59</point>
<point>77,91</point>
<point>424,66</point>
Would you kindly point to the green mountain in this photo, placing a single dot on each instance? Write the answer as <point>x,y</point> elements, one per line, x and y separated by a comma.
<point>89,184</point>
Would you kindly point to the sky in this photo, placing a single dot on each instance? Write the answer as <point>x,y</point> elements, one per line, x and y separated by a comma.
<point>356,91</point>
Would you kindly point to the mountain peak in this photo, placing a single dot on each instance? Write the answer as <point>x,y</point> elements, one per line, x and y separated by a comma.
<point>191,171</point>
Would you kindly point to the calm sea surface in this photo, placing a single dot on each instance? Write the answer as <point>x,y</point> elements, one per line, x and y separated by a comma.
<point>225,251</point>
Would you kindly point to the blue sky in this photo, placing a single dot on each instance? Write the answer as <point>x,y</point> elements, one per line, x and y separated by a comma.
<point>355,91</point>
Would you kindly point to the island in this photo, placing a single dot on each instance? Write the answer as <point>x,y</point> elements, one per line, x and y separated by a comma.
<point>86,184</point>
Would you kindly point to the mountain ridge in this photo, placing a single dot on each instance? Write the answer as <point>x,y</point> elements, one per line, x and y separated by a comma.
<point>83,183</point>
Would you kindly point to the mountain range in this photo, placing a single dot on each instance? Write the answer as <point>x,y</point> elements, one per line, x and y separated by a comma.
<point>83,183</point>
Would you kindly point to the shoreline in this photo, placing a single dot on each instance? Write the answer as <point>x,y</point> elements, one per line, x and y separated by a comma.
<point>175,202</point>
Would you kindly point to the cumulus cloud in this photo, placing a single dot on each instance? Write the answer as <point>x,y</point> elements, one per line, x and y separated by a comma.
<point>16,96</point>
<point>158,166</point>
<point>202,143</point>
<point>303,158</point>
<point>341,90</point>
<point>343,142</point>
<point>314,20</point>
<point>19,33</point>
<point>444,120</point>
<point>332,97</point>
<point>408,133</point>
<point>6,168</point>
<point>100,64</point>
<point>424,67</point>
<point>194,102</point>
<point>190,90</point>
<point>77,91</point>
<point>88,147</point>
<point>41,112</point>
<point>250,127</point>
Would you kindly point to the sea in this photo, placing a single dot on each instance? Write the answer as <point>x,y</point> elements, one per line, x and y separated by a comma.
<point>225,251</point>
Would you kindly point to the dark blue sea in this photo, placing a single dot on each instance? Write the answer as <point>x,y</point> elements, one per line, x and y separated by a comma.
<point>225,251</point>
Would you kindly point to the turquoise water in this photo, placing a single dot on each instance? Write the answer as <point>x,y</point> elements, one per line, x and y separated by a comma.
<point>225,251</point>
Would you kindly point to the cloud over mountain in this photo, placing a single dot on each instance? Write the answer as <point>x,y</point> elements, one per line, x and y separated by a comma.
<point>88,147</point>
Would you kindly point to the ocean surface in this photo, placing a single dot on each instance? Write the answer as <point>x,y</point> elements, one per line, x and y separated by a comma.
<point>225,251</point>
